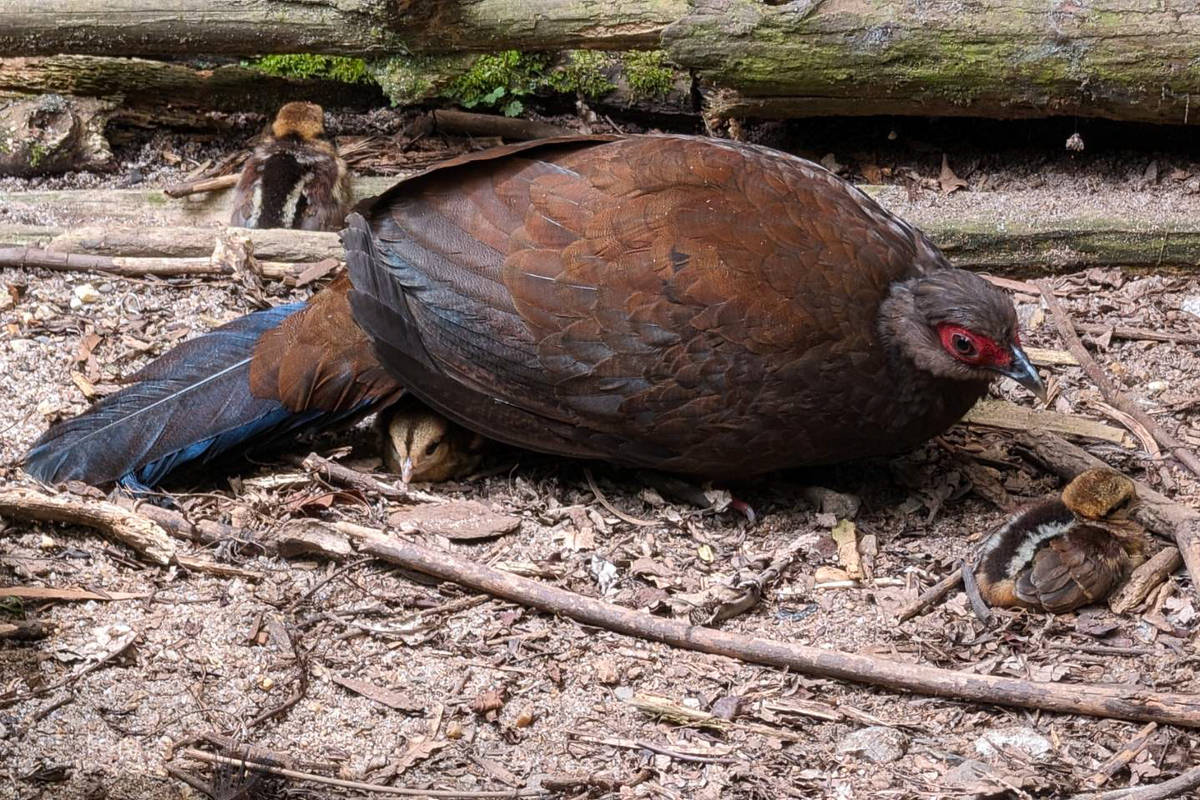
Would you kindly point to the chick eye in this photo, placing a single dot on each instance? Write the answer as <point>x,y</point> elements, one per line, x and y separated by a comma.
<point>962,345</point>
<point>431,448</point>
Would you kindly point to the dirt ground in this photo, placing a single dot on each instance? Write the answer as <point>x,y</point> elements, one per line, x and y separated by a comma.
<point>490,697</point>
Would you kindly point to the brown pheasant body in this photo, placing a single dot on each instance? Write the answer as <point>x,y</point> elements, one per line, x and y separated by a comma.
<point>670,302</point>
<point>679,303</point>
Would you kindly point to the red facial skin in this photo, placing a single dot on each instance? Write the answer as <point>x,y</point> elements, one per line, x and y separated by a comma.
<point>983,351</point>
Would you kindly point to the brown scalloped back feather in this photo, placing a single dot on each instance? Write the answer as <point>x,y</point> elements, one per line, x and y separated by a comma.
<point>318,358</point>
<point>673,302</point>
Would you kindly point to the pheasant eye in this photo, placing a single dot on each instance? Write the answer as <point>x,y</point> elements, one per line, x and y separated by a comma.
<point>963,345</point>
<point>431,448</point>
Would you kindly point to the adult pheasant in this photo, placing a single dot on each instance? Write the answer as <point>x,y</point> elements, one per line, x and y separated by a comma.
<point>680,303</point>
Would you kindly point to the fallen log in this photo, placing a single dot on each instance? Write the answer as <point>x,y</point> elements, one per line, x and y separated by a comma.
<point>752,58</point>
<point>144,87</point>
<point>993,231</point>
<point>337,27</point>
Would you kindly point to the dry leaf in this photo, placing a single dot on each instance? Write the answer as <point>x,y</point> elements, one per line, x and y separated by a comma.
<point>419,750</point>
<point>384,696</point>
<point>846,536</point>
<point>458,520</point>
<point>948,180</point>
<point>491,700</point>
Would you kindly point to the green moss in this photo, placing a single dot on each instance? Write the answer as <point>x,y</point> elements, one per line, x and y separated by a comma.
<point>648,73</point>
<point>304,65</point>
<point>585,72</point>
<point>408,80</point>
<point>499,80</point>
<point>37,153</point>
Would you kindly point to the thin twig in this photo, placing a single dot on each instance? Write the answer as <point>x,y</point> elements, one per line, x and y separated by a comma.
<point>1112,394</point>
<point>202,185</point>
<point>1121,758</point>
<point>972,590</point>
<point>1178,786</point>
<point>930,596</point>
<point>616,512</point>
<point>1124,702</point>
<point>200,755</point>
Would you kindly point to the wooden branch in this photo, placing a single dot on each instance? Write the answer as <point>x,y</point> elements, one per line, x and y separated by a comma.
<point>218,183</point>
<point>1010,416</point>
<point>1154,510</point>
<point>977,230</point>
<point>143,536</point>
<point>24,630</point>
<point>1112,394</point>
<point>1145,579</point>
<point>1178,786</point>
<point>1121,702</point>
<point>350,478</point>
<point>374,788</point>
<point>930,596</point>
<point>271,244</point>
<point>1137,334</point>
<point>139,267</point>
<point>1121,758</point>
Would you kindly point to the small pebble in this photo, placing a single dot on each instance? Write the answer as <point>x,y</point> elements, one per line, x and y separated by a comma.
<point>1154,387</point>
<point>878,744</point>
<point>86,293</point>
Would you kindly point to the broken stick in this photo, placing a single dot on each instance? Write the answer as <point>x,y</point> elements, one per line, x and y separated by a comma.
<point>144,536</point>
<point>1145,579</point>
<point>1122,702</point>
<point>1115,397</point>
<point>138,267</point>
<point>202,185</point>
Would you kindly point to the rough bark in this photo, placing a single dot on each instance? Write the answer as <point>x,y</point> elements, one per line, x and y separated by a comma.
<point>142,86</point>
<point>340,27</point>
<point>994,58</point>
<point>1110,58</point>
<point>53,133</point>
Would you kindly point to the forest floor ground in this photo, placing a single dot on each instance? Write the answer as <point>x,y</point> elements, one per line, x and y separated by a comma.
<point>489,696</point>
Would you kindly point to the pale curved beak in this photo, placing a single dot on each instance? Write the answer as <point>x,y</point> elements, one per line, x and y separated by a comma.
<point>1022,371</point>
<point>406,470</point>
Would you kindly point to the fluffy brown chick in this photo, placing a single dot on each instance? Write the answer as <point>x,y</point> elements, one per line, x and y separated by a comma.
<point>1062,553</point>
<point>424,446</point>
<point>294,178</point>
<point>1046,559</point>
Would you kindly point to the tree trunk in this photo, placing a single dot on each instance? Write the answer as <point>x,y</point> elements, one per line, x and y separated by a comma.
<point>994,58</point>
<point>146,87</point>
<point>340,27</point>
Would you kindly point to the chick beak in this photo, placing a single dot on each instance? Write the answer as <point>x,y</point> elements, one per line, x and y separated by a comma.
<point>1021,370</point>
<point>406,469</point>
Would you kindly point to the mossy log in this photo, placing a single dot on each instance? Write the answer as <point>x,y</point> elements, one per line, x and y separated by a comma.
<point>53,133</point>
<point>997,58</point>
<point>340,27</point>
<point>143,86</point>
<point>990,58</point>
<point>999,232</point>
